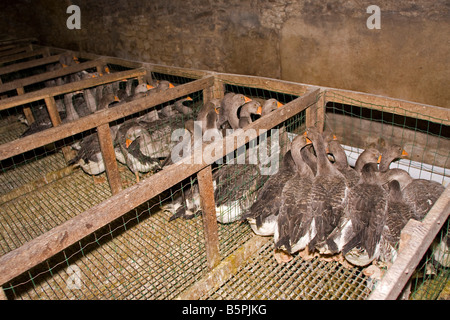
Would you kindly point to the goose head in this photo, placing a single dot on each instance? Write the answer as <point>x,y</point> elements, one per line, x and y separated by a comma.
<point>252,107</point>
<point>231,107</point>
<point>390,154</point>
<point>270,105</point>
<point>106,100</point>
<point>340,157</point>
<point>142,87</point>
<point>370,155</point>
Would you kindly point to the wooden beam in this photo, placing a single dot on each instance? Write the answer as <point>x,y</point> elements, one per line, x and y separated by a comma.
<point>391,105</point>
<point>26,110</point>
<point>416,238</point>
<point>206,190</point>
<point>270,84</point>
<point>59,238</point>
<point>16,41</point>
<point>109,157</point>
<point>48,75</point>
<point>52,111</point>
<point>20,56</point>
<point>13,51</point>
<point>50,135</point>
<point>69,87</point>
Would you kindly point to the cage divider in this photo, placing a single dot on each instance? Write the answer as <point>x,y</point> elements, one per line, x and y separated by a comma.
<point>109,158</point>
<point>206,189</point>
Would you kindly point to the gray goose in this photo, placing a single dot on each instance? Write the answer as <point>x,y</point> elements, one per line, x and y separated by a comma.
<point>211,105</point>
<point>175,109</point>
<point>340,157</point>
<point>269,106</point>
<point>135,144</point>
<point>89,155</point>
<point>228,112</point>
<point>252,107</point>
<point>398,214</point>
<point>367,211</point>
<point>420,194</point>
<point>340,235</point>
<point>390,154</point>
<point>327,199</point>
<point>263,214</point>
<point>294,204</point>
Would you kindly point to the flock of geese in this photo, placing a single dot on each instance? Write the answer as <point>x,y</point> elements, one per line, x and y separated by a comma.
<point>328,207</point>
<point>315,202</point>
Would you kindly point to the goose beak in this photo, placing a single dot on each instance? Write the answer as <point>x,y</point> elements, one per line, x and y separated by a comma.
<point>334,137</point>
<point>259,110</point>
<point>310,142</point>
<point>128,142</point>
<point>64,65</point>
<point>279,104</point>
<point>379,159</point>
<point>171,85</point>
<point>189,98</point>
<point>305,134</point>
<point>149,87</point>
<point>107,70</point>
<point>216,110</point>
<point>116,98</point>
<point>247,99</point>
<point>404,153</point>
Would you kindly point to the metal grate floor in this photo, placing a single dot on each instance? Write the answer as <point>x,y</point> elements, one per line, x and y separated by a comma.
<point>262,278</point>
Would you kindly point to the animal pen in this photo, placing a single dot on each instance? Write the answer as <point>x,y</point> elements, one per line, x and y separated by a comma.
<point>66,235</point>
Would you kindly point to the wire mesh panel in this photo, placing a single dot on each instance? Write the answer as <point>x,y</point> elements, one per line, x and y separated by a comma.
<point>262,278</point>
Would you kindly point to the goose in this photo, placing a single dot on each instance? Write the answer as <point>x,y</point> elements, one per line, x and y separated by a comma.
<point>135,144</point>
<point>368,155</point>
<point>340,157</point>
<point>252,107</point>
<point>420,194</point>
<point>89,156</point>
<point>340,235</point>
<point>269,106</point>
<point>398,214</point>
<point>234,191</point>
<point>390,154</point>
<point>175,109</point>
<point>211,105</point>
<point>263,214</point>
<point>367,209</point>
<point>229,108</point>
<point>294,203</point>
<point>106,101</point>
<point>185,205</point>
<point>327,199</point>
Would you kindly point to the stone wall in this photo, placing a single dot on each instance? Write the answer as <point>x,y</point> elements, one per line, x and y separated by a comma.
<point>317,42</point>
